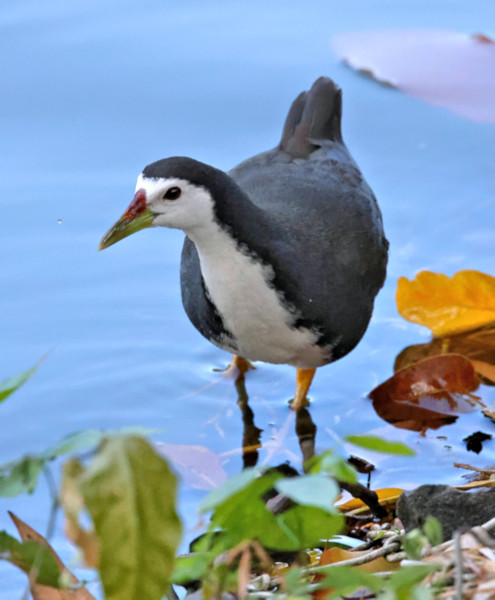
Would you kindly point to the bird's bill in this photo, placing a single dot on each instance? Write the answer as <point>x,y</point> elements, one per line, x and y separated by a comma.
<point>136,217</point>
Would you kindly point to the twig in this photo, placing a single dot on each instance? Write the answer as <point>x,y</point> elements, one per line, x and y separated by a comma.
<point>172,594</point>
<point>359,560</point>
<point>458,566</point>
<point>369,497</point>
<point>52,488</point>
<point>470,468</point>
<point>489,524</point>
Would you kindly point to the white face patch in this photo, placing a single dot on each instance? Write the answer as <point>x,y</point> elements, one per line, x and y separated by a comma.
<point>191,210</point>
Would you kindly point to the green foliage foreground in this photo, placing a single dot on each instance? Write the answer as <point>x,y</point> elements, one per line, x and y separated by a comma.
<point>118,482</point>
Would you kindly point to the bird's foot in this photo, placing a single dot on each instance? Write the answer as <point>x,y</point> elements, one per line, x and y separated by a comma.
<point>238,367</point>
<point>303,383</point>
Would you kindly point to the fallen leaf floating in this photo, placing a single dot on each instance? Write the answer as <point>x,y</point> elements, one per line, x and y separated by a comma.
<point>445,304</point>
<point>444,68</point>
<point>478,345</point>
<point>428,394</point>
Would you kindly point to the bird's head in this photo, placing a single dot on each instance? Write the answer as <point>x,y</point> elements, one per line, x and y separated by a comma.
<point>173,192</point>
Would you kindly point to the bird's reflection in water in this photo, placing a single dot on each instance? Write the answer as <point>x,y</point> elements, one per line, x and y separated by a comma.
<point>251,436</point>
<point>306,433</point>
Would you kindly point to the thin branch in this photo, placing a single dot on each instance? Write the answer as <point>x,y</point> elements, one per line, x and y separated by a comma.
<point>52,488</point>
<point>458,566</point>
<point>172,594</point>
<point>369,497</point>
<point>359,560</point>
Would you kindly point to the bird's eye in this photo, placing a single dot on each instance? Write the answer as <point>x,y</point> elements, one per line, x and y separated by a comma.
<point>172,193</point>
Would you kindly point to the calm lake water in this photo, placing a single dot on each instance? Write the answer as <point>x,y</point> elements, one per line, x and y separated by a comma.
<point>91,93</point>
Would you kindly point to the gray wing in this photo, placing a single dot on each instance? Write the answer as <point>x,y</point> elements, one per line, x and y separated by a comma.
<point>312,187</point>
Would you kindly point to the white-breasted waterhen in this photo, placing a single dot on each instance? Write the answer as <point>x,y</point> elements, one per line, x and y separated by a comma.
<point>285,253</point>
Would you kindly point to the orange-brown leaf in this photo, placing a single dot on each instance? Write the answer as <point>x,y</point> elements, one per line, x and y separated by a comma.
<point>447,304</point>
<point>44,592</point>
<point>427,394</point>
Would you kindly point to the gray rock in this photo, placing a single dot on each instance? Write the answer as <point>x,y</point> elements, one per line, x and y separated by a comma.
<point>453,508</point>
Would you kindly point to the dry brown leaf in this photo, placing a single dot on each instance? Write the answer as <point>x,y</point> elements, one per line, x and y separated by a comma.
<point>445,304</point>
<point>427,394</point>
<point>72,502</point>
<point>44,592</point>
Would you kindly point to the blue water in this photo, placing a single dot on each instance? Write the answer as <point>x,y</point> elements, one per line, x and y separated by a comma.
<point>91,93</point>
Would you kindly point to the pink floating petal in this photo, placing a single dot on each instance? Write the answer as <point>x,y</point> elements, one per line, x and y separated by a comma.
<point>199,467</point>
<point>444,68</point>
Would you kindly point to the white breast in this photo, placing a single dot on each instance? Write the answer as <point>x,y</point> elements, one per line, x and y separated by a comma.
<point>250,307</point>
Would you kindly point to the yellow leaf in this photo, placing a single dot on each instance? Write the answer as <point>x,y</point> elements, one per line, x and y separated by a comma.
<point>447,304</point>
<point>386,496</point>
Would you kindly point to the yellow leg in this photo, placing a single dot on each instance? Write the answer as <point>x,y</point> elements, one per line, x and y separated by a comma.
<point>303,383</point>
<point>238,367</point>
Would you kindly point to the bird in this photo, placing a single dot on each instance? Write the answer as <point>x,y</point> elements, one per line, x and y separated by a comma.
<point>284,254</point>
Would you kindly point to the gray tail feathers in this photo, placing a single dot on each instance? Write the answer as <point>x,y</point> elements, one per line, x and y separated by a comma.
<point>314,116</point>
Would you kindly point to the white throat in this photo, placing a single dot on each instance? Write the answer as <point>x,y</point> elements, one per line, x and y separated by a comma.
<point>241,289</point>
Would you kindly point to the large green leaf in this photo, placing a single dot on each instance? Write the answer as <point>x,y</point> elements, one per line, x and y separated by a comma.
<point>192,567</point>
<point>244,516</point>
<point>130,493</point>
<point>346,580</point>
<point>404,582</point>
<point>233,485</point>
<point>372,442</point>
<point>10,385</point>
<point>30,556</point>
<point>330,462</point>
<point>310,490</point>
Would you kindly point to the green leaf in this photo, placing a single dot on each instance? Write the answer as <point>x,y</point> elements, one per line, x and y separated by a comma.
<point>229,488</point>
<point>433,530</point>
<point>244,516</point>
<point>376,444</point>
<point>304,527</point>
<point>192,568</point>
<point>296,584</point>
<point>79,441</point>
<point>347,580</point>
<point>413,543</point>
<point>404,581</point>
<point>10,385</point>
<point>19,477</point>
<point>330,462</point>
<point>130,493</point>
<point>310,490</point>
<point>30,557</point>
